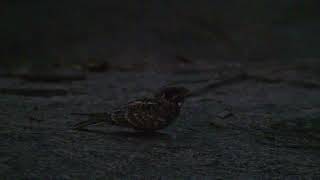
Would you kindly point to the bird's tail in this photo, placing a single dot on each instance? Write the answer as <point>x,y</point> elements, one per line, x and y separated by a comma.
<point>94,118</point>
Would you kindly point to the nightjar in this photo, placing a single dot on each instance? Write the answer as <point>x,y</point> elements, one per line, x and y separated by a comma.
<point>145,114</point>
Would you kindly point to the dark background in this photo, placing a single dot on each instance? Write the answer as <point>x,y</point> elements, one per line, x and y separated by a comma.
<point>76,30</point>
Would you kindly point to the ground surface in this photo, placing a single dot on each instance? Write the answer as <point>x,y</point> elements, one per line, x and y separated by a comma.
<point>248,120</point>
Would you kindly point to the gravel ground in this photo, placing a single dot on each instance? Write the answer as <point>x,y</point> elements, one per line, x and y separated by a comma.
<point>242,128</point>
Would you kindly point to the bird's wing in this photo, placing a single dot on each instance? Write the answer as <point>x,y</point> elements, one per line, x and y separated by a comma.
<point>146,114</point>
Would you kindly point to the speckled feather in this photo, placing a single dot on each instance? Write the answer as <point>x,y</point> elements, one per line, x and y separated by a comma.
<point>151,114</point>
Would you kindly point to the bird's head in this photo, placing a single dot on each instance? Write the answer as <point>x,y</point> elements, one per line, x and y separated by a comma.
<point>173,94</point>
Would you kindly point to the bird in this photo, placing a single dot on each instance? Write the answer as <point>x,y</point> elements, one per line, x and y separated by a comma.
<point>146,114</point>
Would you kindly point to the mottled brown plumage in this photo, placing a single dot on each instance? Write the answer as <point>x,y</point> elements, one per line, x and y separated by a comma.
<point>146,114</point>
